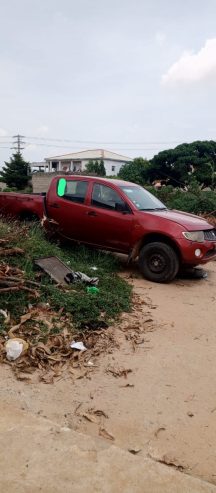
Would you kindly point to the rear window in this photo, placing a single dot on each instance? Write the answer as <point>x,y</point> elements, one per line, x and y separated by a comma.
<point>73,190</point>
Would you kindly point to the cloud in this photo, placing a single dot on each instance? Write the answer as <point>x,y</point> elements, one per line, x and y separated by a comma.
<point>3,132</point>
<point>160,38</point>
<point>31,147</point>
<point>193,67</point>
<point>43,129</point>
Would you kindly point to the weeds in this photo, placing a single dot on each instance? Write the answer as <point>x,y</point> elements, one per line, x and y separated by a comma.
<point>114,293</point>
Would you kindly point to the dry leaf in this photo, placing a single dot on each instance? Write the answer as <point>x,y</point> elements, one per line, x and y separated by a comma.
<point>119,372</point>
<point>104,433</point>
<point>90,418</point>
<point>158,431</point>
<point>134,451</point>
<point>127,385</point>
<point>99,412</point>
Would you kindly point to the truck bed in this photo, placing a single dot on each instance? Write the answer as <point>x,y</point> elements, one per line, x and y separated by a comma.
<point>21,205</point>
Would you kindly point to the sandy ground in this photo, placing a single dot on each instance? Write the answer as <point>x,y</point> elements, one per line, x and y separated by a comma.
<point>166,407</point>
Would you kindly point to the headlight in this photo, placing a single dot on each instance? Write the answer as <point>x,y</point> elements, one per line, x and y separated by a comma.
<point>194,236</point>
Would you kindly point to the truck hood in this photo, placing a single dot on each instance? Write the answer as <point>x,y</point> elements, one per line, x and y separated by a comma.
<point>188,221</point>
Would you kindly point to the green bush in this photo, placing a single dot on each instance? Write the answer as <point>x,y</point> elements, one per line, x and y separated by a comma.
<point>10,189</point>
<point>196,202</point>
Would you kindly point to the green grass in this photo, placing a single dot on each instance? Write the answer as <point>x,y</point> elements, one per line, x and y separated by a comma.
<point>85,309</point>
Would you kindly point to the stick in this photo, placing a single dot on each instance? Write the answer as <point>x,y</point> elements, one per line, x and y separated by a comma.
<point>10,251</point>
<point>18,288</point>
<point>17,279</point>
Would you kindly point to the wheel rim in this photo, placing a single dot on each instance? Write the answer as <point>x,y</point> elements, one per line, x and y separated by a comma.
<point>157,263</point>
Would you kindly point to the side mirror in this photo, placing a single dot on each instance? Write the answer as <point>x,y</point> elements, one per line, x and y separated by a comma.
<point>121,208</point>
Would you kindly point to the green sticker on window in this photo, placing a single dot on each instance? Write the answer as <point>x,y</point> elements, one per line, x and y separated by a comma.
<point>61,187</point>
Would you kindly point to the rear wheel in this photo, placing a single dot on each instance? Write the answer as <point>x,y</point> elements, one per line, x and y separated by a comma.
<point>158,262</point>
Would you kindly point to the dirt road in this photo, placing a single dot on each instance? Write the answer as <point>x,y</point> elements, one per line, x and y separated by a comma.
<point>168,410</point>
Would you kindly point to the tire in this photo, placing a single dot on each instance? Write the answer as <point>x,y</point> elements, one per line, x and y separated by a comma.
<point>158,262</point>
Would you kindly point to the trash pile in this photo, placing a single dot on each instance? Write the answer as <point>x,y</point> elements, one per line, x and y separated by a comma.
<point>27,349</point>
<point>44,343</point>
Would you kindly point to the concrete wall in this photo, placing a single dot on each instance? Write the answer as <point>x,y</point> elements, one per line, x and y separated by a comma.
<point>2,185</point>
<point>41,181</point>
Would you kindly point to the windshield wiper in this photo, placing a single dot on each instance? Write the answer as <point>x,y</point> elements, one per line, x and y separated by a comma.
<point>155,209</point>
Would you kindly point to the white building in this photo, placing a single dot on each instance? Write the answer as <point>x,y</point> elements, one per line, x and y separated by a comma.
<point>77,161</point>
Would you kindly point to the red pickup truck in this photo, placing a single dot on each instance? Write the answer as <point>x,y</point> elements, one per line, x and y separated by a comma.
<point>119,216</point>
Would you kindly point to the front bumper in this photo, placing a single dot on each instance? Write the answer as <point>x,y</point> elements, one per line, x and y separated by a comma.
<point>188,248</point>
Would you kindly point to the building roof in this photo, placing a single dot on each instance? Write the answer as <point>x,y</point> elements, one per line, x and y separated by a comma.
<point>37,164</point>
<point>90,154</point>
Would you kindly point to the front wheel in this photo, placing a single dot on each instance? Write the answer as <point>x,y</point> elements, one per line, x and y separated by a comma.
<point>158,262</point>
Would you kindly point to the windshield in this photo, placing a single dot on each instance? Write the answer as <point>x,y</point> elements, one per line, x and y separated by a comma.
<point>143,200</point>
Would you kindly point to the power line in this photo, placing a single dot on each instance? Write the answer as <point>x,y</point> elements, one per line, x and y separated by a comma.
<point>103,142</point>
<point>70,147</point>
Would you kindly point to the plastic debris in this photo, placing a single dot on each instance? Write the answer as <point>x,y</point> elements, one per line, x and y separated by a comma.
<point>4,313</point>
<point>94,268</point>
<point>61,273</point>
<point>78,345</point>
<point>14,348</point>
<point>73,277</point>
<point>6,316</point>
<point>92,290</point>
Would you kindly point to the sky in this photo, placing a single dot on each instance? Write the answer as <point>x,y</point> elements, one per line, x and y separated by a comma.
<point>131,76</point>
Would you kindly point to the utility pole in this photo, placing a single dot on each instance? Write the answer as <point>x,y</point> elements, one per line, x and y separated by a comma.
<point>18,143</point>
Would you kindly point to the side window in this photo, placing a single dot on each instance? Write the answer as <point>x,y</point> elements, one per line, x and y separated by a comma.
<point>105,197</point>
<point>73,190</point>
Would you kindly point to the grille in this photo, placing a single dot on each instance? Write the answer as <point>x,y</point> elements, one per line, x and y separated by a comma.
<point>210,235</point>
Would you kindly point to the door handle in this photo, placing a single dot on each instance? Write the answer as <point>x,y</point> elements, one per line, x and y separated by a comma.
<point>91,213</point>
<point>56,206</point>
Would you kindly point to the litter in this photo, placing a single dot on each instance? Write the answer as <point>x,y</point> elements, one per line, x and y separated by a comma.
<point>6,315</point>
<point>14,348</point>
<point>73,277</point>
<point>61,273</point>
<point>94,268</point>
<point>78,345</point>
<point>92,290</point>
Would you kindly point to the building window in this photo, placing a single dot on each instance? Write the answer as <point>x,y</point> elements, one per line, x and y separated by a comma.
<point>65,165</point>
<point>113,168</point>
<point>77,165</point>
<point>54,165</point>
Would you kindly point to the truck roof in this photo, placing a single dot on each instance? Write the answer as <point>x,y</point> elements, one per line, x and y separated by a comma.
<point>115,181</point>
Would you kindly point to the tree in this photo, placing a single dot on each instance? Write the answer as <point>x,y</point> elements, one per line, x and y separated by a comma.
<point>195,161</point>
<point>96,168</point>
<point>16,172</point>
<point>135,171</point>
